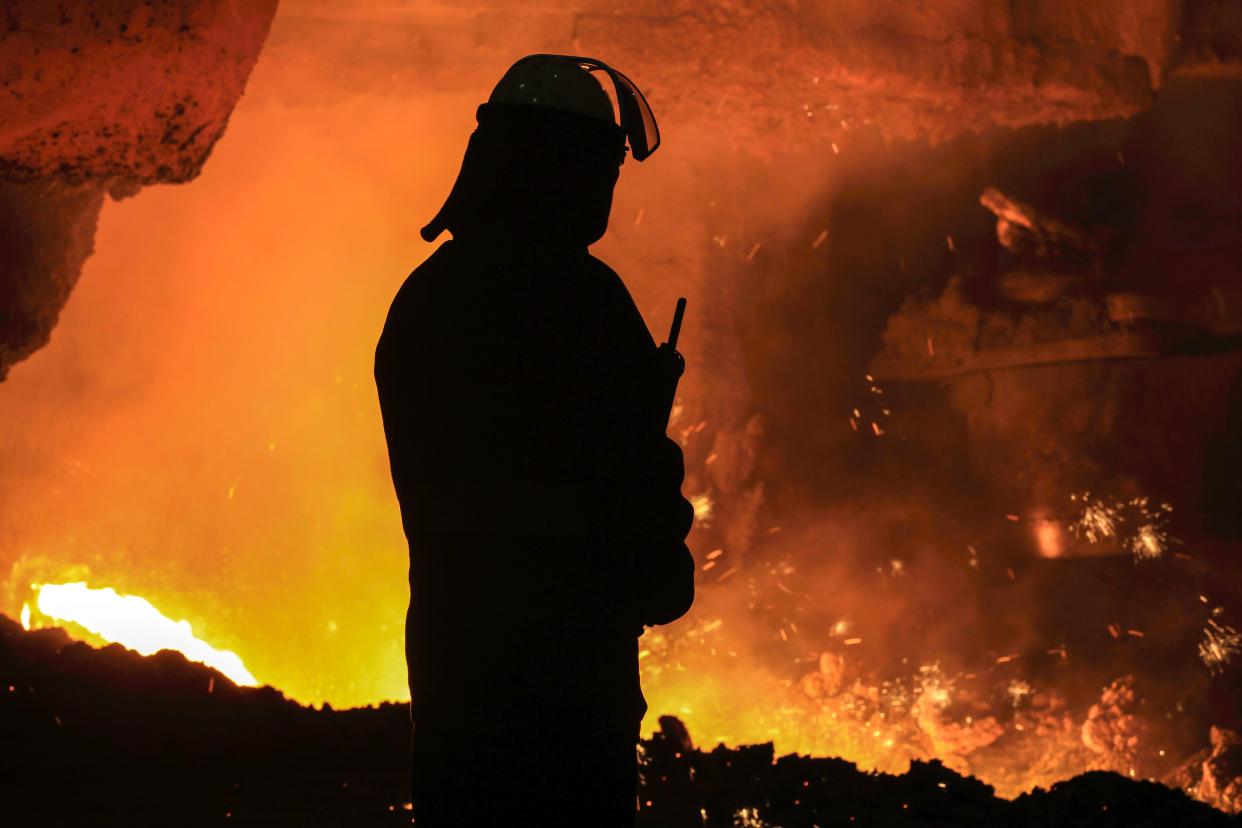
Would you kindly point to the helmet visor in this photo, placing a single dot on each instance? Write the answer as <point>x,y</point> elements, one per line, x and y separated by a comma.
<point>636,117</point>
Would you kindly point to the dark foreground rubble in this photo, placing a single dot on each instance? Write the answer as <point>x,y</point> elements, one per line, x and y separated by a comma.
<point>106,736</point>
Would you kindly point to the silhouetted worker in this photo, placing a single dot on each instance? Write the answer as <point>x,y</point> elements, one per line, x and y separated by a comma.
<point>521,395</point>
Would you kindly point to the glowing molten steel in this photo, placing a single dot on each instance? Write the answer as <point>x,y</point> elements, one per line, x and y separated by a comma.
<point>133,622</point>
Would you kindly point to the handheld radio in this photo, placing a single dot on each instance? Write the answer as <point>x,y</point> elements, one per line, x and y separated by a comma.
<point>672,364</point>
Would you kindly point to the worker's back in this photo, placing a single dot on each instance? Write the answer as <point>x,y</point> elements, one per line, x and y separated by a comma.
<point>539,496</point>
<point>512,387</point>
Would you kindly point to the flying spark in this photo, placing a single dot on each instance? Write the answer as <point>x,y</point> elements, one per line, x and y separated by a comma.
<point>1220,644</point>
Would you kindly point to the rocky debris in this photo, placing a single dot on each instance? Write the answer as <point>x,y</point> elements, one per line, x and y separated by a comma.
<point>1211,37</point>
<point>133,91</point>
<point>129,93</point>
<point>1100,798</point>
<point>1045,304</point>
<point>1043,296</point>
<point>1112,729</point>
<point>1047,256</point>
<point>814,71</point>
<point>102,96</point>
<point>938,336</point>
<point>47,230</point>
<point>107,735</point>
<point>1036,238</point>
<point>750,786</point>
<point>1215,774</point>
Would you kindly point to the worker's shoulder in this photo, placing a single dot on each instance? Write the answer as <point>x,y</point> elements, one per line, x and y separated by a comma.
<point>434,272</point>
<point>415,299</point>
<point>605,281</point>
<point>615,304</point>
<point>600,270</point>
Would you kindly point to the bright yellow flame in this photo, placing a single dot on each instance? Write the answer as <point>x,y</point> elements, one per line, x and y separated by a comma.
<point>133,621</point>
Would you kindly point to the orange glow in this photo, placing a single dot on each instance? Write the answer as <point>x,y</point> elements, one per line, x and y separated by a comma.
<point>704,675</point>
<point>203,431</point>
<point>1051,541</point>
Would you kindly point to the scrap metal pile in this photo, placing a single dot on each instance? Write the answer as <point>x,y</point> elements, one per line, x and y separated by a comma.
<point>160,740</point>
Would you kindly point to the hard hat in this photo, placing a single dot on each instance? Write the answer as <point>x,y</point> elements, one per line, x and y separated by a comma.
<point>556,82</point>
<point>567,82</point>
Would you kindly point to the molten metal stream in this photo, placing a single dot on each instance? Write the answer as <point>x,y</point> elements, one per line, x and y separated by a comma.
<point>132,621</point>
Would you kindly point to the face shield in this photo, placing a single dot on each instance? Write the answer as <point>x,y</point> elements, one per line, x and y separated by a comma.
<point>637,120</point>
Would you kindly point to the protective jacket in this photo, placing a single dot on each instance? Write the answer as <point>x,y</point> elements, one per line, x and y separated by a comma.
<point>539,493</point>
<point>520,393</point>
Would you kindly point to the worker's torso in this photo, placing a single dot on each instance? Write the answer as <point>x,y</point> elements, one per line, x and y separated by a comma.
<point>509,386</point>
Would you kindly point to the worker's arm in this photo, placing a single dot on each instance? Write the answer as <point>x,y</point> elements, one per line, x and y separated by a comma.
<point>664,568</point>
<point>653,517</point>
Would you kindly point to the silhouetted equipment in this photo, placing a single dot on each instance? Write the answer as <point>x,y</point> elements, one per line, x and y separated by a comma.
<point>675,331</point>
<point>1026,230</point>
<point>671,361</point>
